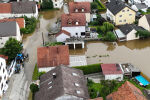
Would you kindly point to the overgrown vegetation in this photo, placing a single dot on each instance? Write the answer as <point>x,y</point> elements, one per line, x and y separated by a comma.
<point>89,69</point>
<point>98,5</point>
<point>53,43</point>
<point>144,13</point>
<point>143,34</point>
<point>34,88</point>
<point>47,4</point>
<point>11,48</point>
<point>99,21</point>
<point>30,25</point>
<point>110,36</point>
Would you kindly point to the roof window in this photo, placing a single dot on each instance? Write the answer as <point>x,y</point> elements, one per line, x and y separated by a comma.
<point>78,92</point>
<point>50,87</point>
<point>76,84</point>
<point>77,23</point>
<point>82,10</point>
<point>74,74</point>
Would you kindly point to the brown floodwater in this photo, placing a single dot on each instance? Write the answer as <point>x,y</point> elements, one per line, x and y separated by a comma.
<point>136,52</point>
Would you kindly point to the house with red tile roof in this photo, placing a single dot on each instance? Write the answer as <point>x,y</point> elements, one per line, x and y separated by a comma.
<point>52,56</point>
<point>62,36</point>
<point>81,7</point>
<point>83,0</point>
<point>112,72</point>
<point>20,21</point>
<point>18,9</point>
<point>74,23</point>
<point>127,92</point>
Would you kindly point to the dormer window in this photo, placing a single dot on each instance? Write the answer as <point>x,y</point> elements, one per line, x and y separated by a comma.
<point>69,23</point>
<point>82,10</point>
<point>77,23</point>
<point>78,92</point>
<point>76,84</point>
<point>74,74</point>
<point>76,10</point>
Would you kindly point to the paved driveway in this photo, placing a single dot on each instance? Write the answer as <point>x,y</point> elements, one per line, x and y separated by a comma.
<point>19,83</point>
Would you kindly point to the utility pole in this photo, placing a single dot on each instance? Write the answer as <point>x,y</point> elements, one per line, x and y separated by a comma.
<point>43,38</point>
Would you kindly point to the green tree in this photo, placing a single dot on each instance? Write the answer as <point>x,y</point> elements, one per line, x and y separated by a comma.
<point>102,29</point>
<point>34,88</point>
<point>108,26</point>
<point>143,33</point>
<point>11,48</point>
<point>40,74</point>
<point>110,37</point>
<point>47,4</point>
<point>93,5</point>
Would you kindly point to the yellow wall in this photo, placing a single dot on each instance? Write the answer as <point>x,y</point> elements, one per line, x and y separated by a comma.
<point>125,16</point>
<point>144,23</point>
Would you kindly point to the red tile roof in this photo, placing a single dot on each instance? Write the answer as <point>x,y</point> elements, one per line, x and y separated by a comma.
<point>5,8</point>
<point>3,56</point>
<point>63,31</point>
<point>69,20</point>
<point>100,98</point>
<point>52,56</point>
<point>111,69</point>
<point>127,92</point>
<point>20,21</point>
<point>79,5</point>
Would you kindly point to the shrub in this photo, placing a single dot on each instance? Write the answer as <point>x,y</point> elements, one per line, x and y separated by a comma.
<point>93,5</point>
<point>110,37</point>
<point>35,73</point>
<point>47,4</point>
<point>101,7</point>
<point>143,33</point>
<point>34,88</point>
<point>89,69</point>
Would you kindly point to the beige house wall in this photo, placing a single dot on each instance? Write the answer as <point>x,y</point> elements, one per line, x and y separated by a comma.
<point>122,18</point>
<point>132,35</point>
<point>88,17</point>
<point>143,23</point>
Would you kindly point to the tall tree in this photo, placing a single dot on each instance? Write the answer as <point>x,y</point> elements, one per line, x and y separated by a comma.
<point>47,4</point>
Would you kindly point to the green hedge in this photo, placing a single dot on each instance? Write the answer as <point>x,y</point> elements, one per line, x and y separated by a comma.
<point>89,69</point>
<point>35,73</point>
<point>101,7</point>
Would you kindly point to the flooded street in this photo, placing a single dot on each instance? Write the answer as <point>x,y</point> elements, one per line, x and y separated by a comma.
<point>136,52</point>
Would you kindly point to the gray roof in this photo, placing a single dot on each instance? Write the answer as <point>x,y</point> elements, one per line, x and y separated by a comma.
<point>8,29</point>
<point>148,18</point>
<point>116,6</point>
<point>128,28</point>
<point>23,7</point>
<point>141,5</point>
<point>64,83</point>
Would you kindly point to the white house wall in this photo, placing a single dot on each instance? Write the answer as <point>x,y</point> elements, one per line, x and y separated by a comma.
<point>114,77</point>
<point>62,37</point>
<point>144,23</point>
<point>132,35</point>
<point>74,30</point>
<point>3,75</point>
<point>46,69</point>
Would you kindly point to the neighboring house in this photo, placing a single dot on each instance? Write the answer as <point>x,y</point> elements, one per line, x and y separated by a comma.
<point>145,22</point>
<point>58,3</point>
<point>3,76</point>
<point>83,0</point>
<point>50,57</point>
<point>20,21</point>
<point>127,92</point>
<point>81,7</point>
<point>140,6</point>
<point>74,23</point>
<point>127,32</point>
<point>7,30</point>
<point>112,72</point>
<point>62,36</point>
<point>18,9</point>
<point>120,13</point>
<point>63,83</point>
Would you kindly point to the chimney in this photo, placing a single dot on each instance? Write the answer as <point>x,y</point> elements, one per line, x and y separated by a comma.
<point>54,75</point>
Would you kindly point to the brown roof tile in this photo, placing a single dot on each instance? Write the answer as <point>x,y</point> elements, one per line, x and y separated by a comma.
<point>127,92</point>
<point>63,31</point>
<point>5,8</point>
<point>3,56</point>
<point>52,56</point>
<point>69,20</point>
<point>100,98</point>
<point>79,6</point>
<point>20,21</point>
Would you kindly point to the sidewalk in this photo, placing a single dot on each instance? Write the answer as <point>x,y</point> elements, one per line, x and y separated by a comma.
<point>17,87</point>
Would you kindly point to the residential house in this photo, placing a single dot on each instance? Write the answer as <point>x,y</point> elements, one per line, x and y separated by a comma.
<point>50,57</point>
<point>83,0</point>
<point>7,30</point>
<point>62,36</point>
<point>3,77</point>
<point>146,2</point>
<point>20,21</point>
<point>127,92</point>
<point>74,23</point>
<point>81,7</point>
<point>18,9</point>
<point>112,72</point>
<point>145,22</point>
<point>140,6</point>
<point>63,83</point>
<point>58,3</point>
<point>127,32</point>
<point>120,13</point>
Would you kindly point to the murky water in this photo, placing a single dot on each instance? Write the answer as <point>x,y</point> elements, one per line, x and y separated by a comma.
<point>136,52</point>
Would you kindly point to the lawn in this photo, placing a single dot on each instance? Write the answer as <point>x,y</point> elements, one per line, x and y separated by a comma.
<point>35,73</point>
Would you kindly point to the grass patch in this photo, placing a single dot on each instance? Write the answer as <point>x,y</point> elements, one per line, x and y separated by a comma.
<point>100,7</point>
<point>53,43</point>
<point>35,73</point>
<point>89,69</point>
